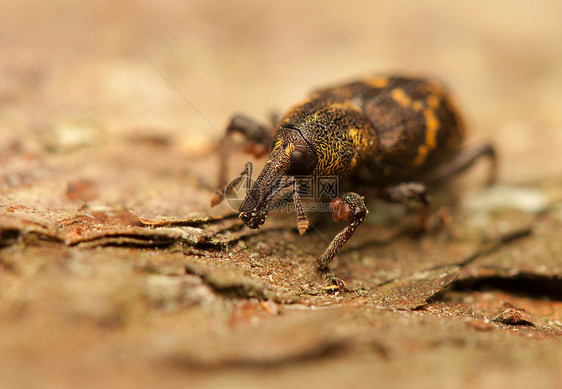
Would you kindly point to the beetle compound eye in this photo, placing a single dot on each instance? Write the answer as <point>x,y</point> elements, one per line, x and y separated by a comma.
<point>298,163</point>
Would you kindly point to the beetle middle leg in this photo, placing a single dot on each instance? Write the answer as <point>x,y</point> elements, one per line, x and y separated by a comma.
<point>351,207</point>
<point>404,193</point>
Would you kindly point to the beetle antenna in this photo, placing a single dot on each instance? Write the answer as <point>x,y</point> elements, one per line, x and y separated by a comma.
<point>221,193</point>
<point>248,172</point>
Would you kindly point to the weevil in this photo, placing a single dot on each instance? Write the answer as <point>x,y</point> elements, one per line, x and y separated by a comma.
<point>394,136</point>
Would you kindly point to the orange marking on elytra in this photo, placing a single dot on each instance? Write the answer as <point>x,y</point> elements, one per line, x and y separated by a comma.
<point>433,101</point>
<point>421,156</point>
<point>432,126</point>
<point>401,97</point>
<point>377,82</point>
<point>417,105</point>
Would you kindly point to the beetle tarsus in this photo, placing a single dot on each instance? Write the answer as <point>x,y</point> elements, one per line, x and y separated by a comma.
<point>356,216</point>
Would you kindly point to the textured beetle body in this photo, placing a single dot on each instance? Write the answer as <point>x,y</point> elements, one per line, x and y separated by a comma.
<point>395,135</point>
<point>376,133</point>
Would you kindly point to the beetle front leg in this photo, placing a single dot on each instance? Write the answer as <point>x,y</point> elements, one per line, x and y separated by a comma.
<point>258,139</point>
<point>302,220</point>
<point>351,207</point>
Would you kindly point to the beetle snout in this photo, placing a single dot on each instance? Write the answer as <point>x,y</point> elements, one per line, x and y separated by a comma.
<point>254,218</point>
<point>253,210</point>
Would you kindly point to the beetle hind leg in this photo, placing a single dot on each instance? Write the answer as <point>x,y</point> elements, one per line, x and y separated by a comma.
<point>351,207</point>
<point>464,160</point>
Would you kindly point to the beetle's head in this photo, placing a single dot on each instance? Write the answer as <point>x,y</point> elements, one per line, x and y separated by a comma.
<point>291,156</point>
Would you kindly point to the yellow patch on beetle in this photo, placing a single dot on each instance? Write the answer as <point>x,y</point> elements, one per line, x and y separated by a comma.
<point>289,149</point>
<point>344,106</point>
<point>417,105</point>
<point>357,136</point>
<point>421,156</point>
<point>401,97</point>
<point>433,101</point>
<point>276,147</point>
<point>432,126</point>
<point>377,82</point>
